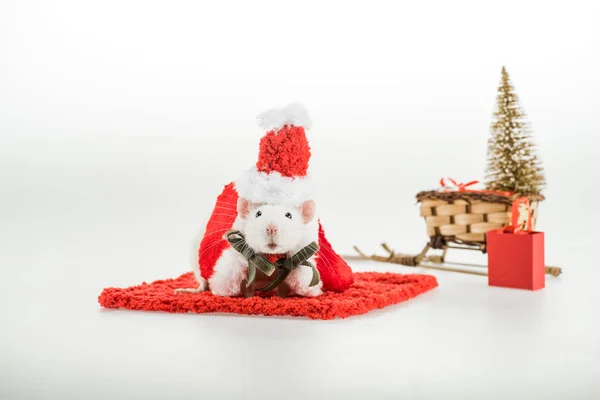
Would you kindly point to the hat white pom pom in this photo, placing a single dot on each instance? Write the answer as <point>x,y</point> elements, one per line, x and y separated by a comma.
<point>293,114</point>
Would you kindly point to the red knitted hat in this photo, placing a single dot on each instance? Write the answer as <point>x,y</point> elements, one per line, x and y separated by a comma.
<point>280,175</point>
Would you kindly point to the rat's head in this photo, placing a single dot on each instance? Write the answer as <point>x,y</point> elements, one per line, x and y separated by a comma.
<point>275,229</point>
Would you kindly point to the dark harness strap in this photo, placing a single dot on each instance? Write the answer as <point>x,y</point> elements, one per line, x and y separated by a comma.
<point>285,266</point>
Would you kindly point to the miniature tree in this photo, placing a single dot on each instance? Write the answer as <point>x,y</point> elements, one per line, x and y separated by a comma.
<point>512,162</point>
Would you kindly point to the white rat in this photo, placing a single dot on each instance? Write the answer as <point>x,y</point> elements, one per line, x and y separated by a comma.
<point>269,229</point>
<point>271,209</point>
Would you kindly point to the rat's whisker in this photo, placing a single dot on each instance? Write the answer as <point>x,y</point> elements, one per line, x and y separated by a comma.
<point>226,208</point>
<point>226,215</point>
<point>218,242</point>
<point>217,231</point>
<point>228,196</point>
<point>329,251</point>
<point>208,248</point>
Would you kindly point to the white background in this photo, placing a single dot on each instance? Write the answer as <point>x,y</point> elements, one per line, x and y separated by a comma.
<point>120,122</point>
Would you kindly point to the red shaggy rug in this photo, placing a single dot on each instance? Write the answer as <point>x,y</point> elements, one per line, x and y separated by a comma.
<point>370,291</point>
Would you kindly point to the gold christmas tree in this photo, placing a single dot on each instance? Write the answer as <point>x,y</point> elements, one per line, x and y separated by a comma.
<point>512,162</point>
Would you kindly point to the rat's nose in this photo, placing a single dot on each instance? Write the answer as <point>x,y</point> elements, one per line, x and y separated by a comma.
<point>271,229</point>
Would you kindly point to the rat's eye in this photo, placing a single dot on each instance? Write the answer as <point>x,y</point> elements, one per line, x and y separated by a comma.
<point>288,215</point>
<point>258,214</point>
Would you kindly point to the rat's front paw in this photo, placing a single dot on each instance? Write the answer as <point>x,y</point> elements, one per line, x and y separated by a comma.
<point>299,280</point>
<point>309,291</point>
<point>230,270</point>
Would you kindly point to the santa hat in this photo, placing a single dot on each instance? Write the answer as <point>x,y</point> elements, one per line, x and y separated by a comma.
<point>280,175</point>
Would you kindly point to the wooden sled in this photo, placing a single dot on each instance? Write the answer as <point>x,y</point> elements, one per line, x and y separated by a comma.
<point>435,261</point>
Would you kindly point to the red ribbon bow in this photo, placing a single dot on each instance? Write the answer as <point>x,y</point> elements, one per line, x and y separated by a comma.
<point>462,187</point>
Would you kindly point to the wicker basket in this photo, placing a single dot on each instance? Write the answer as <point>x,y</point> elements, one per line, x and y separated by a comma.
<point>464,217</point>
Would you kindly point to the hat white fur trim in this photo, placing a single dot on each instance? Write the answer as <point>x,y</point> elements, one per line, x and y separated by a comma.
<point>293,114</point>
<point>273,188</point>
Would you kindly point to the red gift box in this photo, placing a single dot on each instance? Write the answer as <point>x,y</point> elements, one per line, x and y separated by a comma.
<point>516,255</point>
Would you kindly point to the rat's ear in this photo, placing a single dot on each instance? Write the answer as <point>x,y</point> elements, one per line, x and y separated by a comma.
<point>308,210</point>
<point>243,207</point>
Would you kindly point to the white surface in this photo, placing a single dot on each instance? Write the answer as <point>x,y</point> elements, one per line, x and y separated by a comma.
<point>120,122</point>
